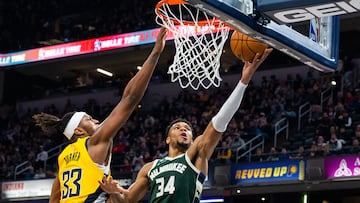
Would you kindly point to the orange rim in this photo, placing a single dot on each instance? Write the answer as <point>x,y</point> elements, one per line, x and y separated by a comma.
<point>176,21</point>
<point>170,2</point>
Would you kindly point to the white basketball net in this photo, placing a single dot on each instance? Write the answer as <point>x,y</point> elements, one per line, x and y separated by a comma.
<point>199,40</point>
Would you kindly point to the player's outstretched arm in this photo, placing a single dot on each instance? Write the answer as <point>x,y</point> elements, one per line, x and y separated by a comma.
<point>205,144</point>
<point>134,90</point>
<point>132,95</point>
<point>136,191</point>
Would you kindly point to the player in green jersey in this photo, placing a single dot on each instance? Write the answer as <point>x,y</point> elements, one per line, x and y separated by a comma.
<point>179,177</point>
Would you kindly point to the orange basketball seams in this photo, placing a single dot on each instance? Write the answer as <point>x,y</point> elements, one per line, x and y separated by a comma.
<point>245,47</point>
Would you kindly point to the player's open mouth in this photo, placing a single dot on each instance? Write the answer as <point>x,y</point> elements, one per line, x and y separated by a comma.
<point>183,135</point>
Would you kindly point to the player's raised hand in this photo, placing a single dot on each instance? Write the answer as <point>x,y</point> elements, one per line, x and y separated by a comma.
<point>250,67</point>
<point>160,40</point>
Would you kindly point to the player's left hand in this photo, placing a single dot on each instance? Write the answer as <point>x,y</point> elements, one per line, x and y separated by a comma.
<point>111,186</point>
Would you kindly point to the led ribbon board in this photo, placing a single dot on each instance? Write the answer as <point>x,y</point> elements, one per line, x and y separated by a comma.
<point>238,14</point>
<point>80,47</point>
<point>88,46</point>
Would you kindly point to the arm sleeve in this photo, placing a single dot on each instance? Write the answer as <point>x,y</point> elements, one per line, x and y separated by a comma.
<point>227,111</point>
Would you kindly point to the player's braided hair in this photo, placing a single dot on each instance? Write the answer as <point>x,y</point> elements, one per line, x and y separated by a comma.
<point>50,123</point>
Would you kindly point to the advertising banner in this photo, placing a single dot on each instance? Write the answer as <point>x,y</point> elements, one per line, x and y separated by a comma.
<point>28,188</point>
<point>340,167</point>
<point>80,47</point>
<point>36,188</point>
<point>91,46</point>
<point>268,172</point>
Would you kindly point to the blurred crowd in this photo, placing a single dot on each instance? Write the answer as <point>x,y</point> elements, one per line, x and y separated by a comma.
<point>331,130</point>
<point>31,24</point>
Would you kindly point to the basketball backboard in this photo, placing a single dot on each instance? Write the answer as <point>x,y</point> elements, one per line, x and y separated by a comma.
<point>275,22</point>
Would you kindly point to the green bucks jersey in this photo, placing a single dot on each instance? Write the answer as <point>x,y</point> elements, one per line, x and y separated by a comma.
<point>175,180</point>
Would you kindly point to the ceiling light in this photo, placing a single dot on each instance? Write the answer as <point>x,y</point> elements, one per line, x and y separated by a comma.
<point>333,82</point>
<point>138,67</point>
<point>105,72</point>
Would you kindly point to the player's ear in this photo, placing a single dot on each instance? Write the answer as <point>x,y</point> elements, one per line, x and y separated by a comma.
<point>167,140</point>
<point>80,131</point>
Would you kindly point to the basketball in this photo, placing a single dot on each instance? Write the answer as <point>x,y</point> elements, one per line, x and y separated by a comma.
<point>245,47</point>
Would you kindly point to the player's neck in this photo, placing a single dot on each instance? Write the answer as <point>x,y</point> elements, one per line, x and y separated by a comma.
<point>174,152</point>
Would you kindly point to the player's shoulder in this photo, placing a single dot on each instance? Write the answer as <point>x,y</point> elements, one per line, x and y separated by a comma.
<point>147,167</point>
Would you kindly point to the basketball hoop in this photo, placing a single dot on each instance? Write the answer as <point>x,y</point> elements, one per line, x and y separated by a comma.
<point>199,40</point>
